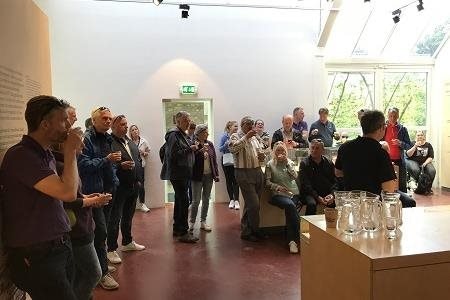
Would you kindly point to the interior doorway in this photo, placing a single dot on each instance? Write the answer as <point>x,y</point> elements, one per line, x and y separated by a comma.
<point>201,113</point>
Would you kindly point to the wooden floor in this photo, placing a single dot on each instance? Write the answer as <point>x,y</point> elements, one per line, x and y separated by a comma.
<point>220,266</point>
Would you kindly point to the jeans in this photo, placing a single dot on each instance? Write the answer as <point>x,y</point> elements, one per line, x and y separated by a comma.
<point>44,272</point>
<point>413,168</point>
<point>122,213</point>
<point>251,182</point>
<point>232,186</point>
<point>87,271</point>
<point>402,175</point>
<point>201,189</point>
<point>292,218</point>
<point>311,205</point>
<point>101,218</point>
<point>181,206</point>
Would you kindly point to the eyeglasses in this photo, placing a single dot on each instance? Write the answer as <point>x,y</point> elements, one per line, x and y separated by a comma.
<point>101,108</point>
<point>119,117</point>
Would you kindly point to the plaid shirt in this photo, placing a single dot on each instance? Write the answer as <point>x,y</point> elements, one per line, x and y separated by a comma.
<point>245,152</point>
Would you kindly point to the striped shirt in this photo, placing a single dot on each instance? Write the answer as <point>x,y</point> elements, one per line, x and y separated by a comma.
<point>245,152</point>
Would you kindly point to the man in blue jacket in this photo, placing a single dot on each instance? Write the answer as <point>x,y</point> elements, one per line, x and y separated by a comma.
<point>95,165</point>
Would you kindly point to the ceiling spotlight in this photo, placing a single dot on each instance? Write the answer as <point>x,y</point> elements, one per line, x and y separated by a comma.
<point>366,0</point>
<point>157,2</point>
<point>184,6</point>
<point>396,19</point>
<point>420,5</point>
<point>184,14</point>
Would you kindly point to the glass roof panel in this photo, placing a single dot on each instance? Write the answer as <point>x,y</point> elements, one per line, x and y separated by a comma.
<point>366,29</point>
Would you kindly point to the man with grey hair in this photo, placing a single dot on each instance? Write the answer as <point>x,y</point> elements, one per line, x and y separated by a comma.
<point>248,155</point>
<point>397,137</point>
<point>317,178</point>
<point>177,167</point>
<point>291,137</point>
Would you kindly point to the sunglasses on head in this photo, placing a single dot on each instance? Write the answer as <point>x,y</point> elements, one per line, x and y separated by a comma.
<point>101,108</point>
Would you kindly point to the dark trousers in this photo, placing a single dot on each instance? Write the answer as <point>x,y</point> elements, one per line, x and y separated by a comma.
<point>141,192</point>
<point>406,200</point>
<point>311,205</point>
<point>413,168</point>
<point>101,218</point>
<point>292,218</point>
<point>401,175</point>
<point>44,272</point>
<point>181,207</point>
<point>251,182</point>
<point>122,213</point>
<point>232,186</point>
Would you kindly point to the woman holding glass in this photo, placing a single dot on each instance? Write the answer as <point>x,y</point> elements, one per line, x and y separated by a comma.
<point>281,180</point>
<point>263,135</point>
<point>228,165</point>
<point>204,172</point>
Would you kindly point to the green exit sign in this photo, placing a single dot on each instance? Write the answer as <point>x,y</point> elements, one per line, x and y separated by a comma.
<point>188,89</point>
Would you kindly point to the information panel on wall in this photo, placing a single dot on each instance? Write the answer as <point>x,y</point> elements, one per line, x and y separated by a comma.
<point>24,65</point>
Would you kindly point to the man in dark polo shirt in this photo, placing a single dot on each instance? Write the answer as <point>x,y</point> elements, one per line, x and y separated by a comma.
<point>323,129</point>
<point>35,225</point>
<point>95,164</point>
<point>362,162</point>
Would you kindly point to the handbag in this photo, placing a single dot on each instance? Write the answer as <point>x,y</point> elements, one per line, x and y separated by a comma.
<point>227,159</point>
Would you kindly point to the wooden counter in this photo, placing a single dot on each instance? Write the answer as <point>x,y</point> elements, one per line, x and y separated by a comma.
<point>416,265</point>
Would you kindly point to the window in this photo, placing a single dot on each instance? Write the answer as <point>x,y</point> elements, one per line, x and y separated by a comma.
<point>350,91</point>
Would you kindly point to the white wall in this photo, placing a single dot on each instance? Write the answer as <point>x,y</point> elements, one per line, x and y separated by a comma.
<point>129,56</point>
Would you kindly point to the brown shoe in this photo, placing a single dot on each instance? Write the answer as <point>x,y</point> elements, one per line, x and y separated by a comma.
<point>108,283</point>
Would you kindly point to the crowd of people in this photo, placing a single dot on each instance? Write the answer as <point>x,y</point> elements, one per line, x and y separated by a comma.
<point>66,193</point>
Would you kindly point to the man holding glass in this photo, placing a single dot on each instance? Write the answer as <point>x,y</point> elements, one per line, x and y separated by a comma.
<point>248,154</point>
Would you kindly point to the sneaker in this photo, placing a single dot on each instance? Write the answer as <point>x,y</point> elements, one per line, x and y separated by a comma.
<point>113,257</point>
<point>111,269</point>
<point>191,226</point>
<point>133,246</point>
<point>293,248</point>
<point>188,238</point>
<point>108,283</point>
<point>237,205</point>
<point>205,227</point>
<point>142,207</point>
<point>231,205</point>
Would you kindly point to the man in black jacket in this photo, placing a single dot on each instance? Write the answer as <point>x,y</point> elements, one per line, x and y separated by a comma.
<point>287,134</point>
<point>124,198</point>
<point>317,179</point>
<point>177,167</point>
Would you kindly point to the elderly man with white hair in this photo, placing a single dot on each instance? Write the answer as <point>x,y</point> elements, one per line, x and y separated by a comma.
<point>291,137</point>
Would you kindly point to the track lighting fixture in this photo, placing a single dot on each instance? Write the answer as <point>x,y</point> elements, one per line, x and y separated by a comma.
<point>396,13</point>
<point>157,2</point>
<point>184,11</point>
<point>420,5</point>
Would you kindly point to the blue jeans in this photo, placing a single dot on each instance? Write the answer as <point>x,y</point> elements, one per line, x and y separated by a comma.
<point>87,270</point>
<point>201,189</point>
<point>292,218</point>
<point>43,272</point>
<point>413,168</point>
<point>122,212</point>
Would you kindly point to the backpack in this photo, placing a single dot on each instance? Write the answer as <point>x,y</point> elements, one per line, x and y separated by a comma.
<point>162,152</point>
<point>423,183</point>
